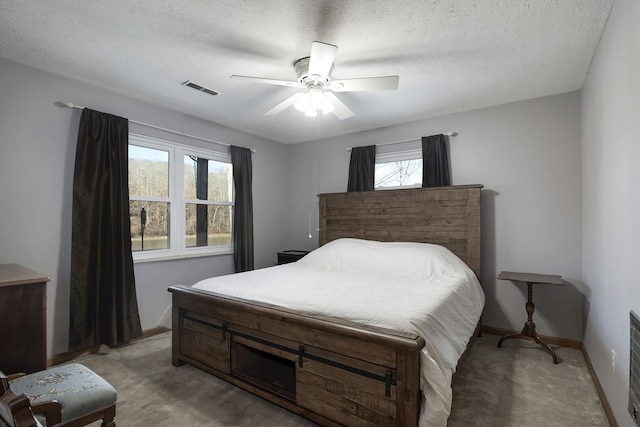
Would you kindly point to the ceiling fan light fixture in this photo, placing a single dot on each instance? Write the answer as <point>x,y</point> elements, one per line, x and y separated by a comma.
<point>303,102</point>
<point>320,102</point>
<point>311,101</point>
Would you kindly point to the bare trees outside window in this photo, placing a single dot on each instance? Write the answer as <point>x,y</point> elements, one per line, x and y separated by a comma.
<point>400,173</point>
<point>180,199</point>
<point>208,189</point>
<point>148,190</point>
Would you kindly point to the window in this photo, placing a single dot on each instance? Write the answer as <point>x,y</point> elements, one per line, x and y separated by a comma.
<point>208,192</point>
<point>149,201</point>
<point>401,169</point>
<point>180,199</point>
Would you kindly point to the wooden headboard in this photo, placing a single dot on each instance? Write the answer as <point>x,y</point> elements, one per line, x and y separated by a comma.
<point>447,216</point>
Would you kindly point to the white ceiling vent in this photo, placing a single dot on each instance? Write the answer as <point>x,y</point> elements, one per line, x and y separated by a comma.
<point>200,88</point>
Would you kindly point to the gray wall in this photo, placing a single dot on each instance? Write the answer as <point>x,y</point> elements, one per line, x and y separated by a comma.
<point>527,156</point>
<point>37,153</point>
<point>611,199</point>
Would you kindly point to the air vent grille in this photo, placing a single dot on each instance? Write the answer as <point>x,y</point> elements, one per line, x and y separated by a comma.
<point>634,370</point>
<point>196,86</point>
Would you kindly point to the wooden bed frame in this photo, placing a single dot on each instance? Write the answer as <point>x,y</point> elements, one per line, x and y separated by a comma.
<point>333,373</point>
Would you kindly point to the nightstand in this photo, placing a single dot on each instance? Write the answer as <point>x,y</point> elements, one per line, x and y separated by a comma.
<point>286,257</point>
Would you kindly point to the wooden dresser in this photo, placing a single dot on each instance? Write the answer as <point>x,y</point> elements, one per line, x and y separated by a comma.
<point>23,319</point>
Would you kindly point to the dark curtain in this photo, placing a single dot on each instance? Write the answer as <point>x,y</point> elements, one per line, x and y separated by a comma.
<point>362,169</point>
<point>103,303</point>
<point>435,161</point>
<point>243,209</point>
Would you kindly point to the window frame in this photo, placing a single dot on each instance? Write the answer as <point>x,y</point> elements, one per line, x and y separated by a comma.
<point>395,156</point>
<point>177,202</point>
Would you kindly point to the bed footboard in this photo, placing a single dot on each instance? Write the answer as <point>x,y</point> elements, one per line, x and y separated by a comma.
<point>333,373</point>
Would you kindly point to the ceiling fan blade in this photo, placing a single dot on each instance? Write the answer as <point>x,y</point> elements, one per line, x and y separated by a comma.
<point>366,83</point>
<point>268,81</point>
<point>321,59</point>
<point>282,106</point>
<point>340,110</point>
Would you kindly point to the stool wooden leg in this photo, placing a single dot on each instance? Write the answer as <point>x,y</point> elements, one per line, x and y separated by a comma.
<point>109,415</point>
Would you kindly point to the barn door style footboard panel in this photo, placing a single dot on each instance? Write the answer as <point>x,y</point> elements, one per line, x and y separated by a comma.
<point>335,374</point>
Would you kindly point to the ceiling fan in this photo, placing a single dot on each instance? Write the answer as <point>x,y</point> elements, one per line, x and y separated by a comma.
<point>314,75</point>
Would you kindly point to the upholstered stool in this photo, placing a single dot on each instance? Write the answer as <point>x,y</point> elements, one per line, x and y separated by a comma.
<point>83,395</point>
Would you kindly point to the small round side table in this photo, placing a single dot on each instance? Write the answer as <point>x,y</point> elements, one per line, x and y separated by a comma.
<point>529,330</point>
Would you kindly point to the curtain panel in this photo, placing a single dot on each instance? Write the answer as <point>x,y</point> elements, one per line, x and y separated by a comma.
<point>103,302</point>
<point>362,169</point>
<point>243,209</point>
<point>435,161</point>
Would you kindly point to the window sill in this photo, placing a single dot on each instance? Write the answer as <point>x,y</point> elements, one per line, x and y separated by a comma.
<point>169,257</point>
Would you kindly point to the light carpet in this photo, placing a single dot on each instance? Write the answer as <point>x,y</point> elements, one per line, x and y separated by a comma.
<point>517,385</point>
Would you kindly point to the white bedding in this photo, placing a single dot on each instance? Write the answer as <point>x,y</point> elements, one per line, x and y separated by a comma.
<point>411,287</point>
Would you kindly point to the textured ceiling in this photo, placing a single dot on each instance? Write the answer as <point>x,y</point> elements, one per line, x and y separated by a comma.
<point>451,55</point>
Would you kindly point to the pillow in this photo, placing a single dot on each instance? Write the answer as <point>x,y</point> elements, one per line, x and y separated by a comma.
<point>395,259</point>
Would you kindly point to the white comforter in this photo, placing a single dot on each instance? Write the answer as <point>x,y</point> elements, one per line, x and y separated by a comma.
<point>411,287</point>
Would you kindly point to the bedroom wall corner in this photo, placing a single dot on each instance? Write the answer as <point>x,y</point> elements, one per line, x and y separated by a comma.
<point>611,201</point>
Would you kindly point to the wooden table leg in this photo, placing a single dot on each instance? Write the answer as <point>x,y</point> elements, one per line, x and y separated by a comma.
<point>529,329</point>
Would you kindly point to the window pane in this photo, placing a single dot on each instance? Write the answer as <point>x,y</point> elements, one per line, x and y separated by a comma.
<point>207,225</point>
<point>206,179</point>
<point>155,234</point>
<point>403,173</point>
<point>148,172</point>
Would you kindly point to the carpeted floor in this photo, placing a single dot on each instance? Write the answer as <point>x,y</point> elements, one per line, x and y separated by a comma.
<point>517,385</point>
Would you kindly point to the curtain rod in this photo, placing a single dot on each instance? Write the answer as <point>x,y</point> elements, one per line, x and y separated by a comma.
<point>451,134</point>
<point>79,107</point>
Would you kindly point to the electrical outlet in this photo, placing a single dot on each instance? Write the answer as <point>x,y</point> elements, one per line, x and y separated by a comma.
<point>613,361</point>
